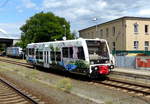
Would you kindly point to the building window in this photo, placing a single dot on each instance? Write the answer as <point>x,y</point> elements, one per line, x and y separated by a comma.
<point>92,34</point>
<point>136,28</point>
<point>107,32</point>
<point>146,29</point>
<point>113,30</point>
<point>113,45</point>
<point>101,32</point>
<point>146,45</point>
<point>136,44</point>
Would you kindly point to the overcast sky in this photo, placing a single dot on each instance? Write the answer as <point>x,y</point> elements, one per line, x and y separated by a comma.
<point>14,13</point>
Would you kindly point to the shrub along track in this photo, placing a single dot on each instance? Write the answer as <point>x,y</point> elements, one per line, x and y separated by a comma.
<point>11,95</point>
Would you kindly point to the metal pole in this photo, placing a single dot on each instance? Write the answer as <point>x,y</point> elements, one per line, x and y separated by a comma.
<point>65,30</point>
<point>95,19</point>
<point>64,38</point>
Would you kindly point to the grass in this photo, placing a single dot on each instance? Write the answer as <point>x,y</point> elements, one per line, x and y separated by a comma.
<point>31,74</point>
<point>25,72</point>
<point>65,84</point>
<point>108,102</point>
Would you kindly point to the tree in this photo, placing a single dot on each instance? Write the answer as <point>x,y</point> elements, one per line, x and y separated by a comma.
<point>43,27</point>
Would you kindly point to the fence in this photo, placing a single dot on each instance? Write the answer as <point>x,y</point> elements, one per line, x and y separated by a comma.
<point>126,61</point>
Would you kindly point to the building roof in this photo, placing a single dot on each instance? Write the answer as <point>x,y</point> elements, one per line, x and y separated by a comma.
<point>121,18</point>
<point>6,36</point>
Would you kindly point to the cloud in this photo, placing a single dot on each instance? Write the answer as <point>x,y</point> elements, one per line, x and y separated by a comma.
<point>29,4</point>
<point>100,4</point>
<point>19,9</point>
<point>51,4</point>
<point>74,9</point>
<point>145,12</point>
<point>11,28</point>
<point>80,12</point>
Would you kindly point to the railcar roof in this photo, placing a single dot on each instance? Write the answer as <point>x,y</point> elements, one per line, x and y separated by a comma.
<point>80,39</point>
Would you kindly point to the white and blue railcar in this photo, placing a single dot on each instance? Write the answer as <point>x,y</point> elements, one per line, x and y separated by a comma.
<point>84,56</point>
<point>14,51</point>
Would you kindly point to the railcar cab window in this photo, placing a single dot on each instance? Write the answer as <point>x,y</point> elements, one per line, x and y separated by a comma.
<point>98,51</point>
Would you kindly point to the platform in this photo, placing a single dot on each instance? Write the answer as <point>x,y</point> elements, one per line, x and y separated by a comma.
<point>133,71</point>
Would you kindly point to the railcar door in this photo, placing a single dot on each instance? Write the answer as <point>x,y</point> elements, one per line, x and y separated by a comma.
<point>46,59</point>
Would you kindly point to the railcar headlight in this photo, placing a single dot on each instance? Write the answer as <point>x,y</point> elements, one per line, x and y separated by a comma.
<point>106,62</point>
<point>95,68</point>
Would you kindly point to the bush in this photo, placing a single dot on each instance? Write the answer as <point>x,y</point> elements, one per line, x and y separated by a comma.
<point>65,84</point>
<point>108,102</point>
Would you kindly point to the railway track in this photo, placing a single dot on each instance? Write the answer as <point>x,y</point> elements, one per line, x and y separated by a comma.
<point>137,89</point>
<point>135,76</point>
<point>17,63</point>
<point>11,95</point>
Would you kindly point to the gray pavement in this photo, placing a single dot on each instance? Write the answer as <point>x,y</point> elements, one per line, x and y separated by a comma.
<point>132,70</point>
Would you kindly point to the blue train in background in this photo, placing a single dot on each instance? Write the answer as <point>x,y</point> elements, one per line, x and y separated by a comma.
<point>14,52</point>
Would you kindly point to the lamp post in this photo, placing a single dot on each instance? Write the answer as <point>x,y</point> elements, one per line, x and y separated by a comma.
<point>64,37</point>
<point>95,19</point>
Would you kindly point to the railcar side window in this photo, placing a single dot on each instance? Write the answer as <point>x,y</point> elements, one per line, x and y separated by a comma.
<point>58,56</point>
<point>41,55</point>
<point>52,55</point>
<point>70,52</point>
<point>65,52</point>
<point>37,54</point>
<point>81,53</point>
<point>31,51</point>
